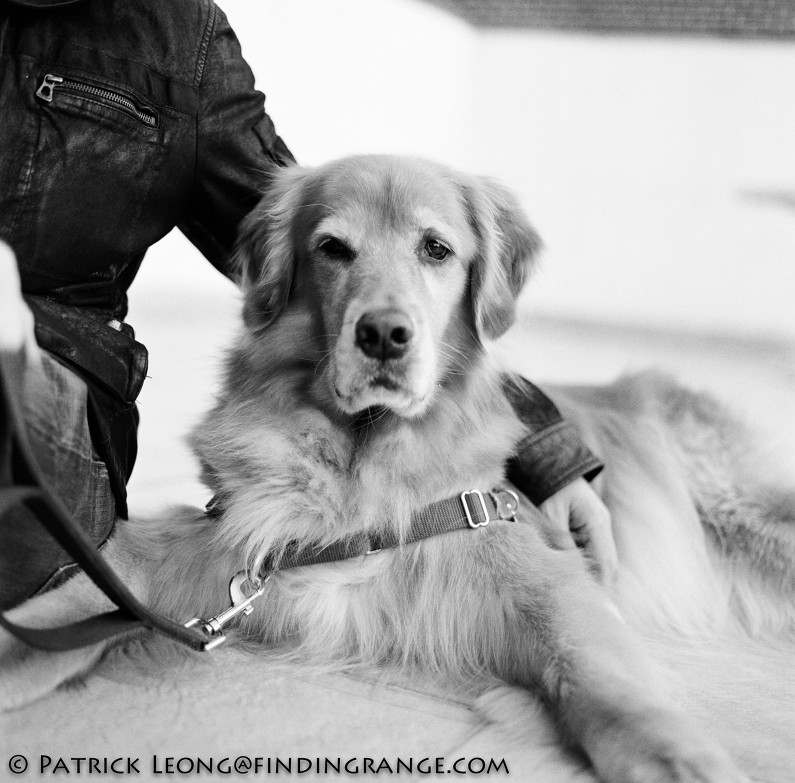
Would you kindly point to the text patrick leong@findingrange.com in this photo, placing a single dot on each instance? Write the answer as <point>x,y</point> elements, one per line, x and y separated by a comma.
<point>271,765</point>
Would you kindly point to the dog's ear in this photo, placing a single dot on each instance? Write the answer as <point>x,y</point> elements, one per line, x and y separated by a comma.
<point>265,254</point>
<point>507,247</point>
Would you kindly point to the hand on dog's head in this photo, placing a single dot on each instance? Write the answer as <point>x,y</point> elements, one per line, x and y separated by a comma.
<point>401,268</point>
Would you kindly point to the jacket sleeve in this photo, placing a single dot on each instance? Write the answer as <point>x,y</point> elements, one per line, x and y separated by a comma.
<point>236,146</point>
<point>552,455</point>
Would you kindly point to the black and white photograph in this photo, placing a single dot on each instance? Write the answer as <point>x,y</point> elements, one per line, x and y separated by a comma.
<point>397,388</point>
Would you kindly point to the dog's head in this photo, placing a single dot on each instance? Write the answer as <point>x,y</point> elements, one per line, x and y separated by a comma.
<point>400,266</point>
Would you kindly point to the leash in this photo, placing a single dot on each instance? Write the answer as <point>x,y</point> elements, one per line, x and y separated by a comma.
<point>23,483</point>
<point>471,509</point>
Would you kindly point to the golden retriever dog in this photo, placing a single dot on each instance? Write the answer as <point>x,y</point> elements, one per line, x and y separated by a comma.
<point>361,391</point>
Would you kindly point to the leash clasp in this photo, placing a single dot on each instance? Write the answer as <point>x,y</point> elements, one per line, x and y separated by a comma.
<point>241,604</point>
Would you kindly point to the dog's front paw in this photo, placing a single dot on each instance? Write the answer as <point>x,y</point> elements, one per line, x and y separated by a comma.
<point>660,748</point>
<point>27,674</point>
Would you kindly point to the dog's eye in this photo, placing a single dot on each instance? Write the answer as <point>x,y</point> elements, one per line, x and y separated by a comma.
<point>336,248</point>
<point>436,250</point>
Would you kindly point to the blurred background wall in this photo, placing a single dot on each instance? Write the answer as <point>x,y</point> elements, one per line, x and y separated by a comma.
<point>657,164</point>
<point>651,142</point>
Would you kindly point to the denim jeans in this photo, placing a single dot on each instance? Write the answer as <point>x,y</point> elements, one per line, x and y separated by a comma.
<point>55,410</point>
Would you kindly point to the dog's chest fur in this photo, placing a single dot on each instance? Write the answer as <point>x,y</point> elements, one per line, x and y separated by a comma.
<point>289,472</point>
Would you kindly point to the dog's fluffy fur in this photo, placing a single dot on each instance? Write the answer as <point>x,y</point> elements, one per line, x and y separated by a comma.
<point>313,438</point>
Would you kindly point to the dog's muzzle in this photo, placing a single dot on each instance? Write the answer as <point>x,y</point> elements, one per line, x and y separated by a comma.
<point>384,357</point>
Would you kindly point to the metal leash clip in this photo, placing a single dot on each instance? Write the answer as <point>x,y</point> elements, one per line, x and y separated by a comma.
<point>506,506</point>
<point>241,603</point>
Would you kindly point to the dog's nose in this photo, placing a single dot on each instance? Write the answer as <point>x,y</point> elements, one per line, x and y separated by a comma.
<point>384,334</point>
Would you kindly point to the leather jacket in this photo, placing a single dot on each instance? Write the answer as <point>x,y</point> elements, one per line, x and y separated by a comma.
<point>119,120</point>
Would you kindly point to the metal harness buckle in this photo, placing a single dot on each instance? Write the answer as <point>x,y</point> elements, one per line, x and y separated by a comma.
<point>506,507</point>
<point>470,521</point>
<point>241,603</point>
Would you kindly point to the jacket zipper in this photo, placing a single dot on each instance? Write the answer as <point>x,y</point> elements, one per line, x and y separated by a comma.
<point>50,83</point>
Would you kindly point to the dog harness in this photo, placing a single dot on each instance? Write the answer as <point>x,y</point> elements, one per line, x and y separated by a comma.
<point>471,509</point>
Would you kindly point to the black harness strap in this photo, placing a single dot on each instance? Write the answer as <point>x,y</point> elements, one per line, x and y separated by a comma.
<point>471,509</point>
<point>21,482</point>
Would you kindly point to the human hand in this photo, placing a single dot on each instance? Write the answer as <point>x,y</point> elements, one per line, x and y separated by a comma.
<point>578,517</point>
<point>16,320</point>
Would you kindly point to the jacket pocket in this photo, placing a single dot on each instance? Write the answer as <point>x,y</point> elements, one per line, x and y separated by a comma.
<point>101,94</point>
<point>94,170</point>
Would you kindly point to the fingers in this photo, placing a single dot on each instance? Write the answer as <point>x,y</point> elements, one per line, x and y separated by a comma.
<point>12,332</point>
<point>554,522</point>
<point>16,320</point>
<point>592,529</point>
<point>576,516</point>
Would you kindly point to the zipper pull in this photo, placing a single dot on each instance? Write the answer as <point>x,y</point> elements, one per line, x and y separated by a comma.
<point>47,86</point>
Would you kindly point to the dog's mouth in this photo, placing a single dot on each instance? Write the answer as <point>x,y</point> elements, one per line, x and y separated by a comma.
<point>390,384</point>
<point>380,391</point>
